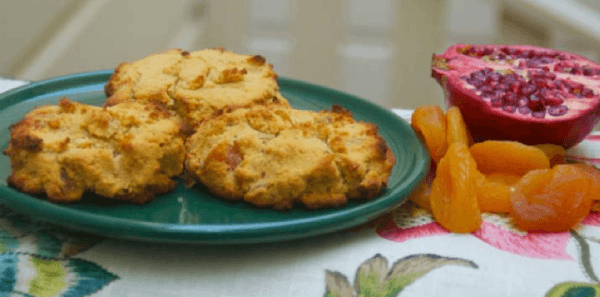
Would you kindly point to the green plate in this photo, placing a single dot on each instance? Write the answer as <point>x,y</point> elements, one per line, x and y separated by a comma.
<point>193,215</point>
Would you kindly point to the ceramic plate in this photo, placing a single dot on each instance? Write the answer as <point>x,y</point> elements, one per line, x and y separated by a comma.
<point>193,215</point>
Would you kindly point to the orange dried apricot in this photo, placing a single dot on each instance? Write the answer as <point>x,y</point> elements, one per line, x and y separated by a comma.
<point>508,156</point>
<point>493,194</point>
<point>453,194</point>
<point>551,200</point>
<point>503,178</point>
<point>456,130</point>
<point>421,194</point>
<point>594,174</point>
<point>429,122</point>
<point>555,153</point>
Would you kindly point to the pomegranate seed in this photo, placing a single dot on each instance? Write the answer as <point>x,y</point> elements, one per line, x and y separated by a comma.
<point>576,70</point>
<point>486,89</point>
<point>536,74</point>
<point>487,71</point>
<point>546,60</point>
<point>597,71</point>
<point>532,63</point>
<point>497,102</point>
<point>552,101</point>
<point>538,114</point>
<point>478,51</point>
<point>492,84</point>
<point>522,101</point>
<point>495,76</point>
<point>510,99</point>
<point>546,68</point>
<point>523,110</point>
<point>526,54</point>
<point>488,51</point>
<point>509,108</point>
<point>535,103</point>
<point>508,79</point>
<point>501,56</point>
<point>511,51</point>
<point>587,93</point>
<point>588,72</point>
<point>550,75</point>
<point>539,83</point>
<point>557,110</point>
<point>501,87</point>
<point>528,90</point>
<point>551,85</point>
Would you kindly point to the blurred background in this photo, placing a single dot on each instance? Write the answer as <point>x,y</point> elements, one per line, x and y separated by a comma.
<point>378,49</point>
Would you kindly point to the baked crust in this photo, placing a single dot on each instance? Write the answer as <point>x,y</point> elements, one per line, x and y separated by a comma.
<point>197,84</point>
<point>127,152</point>
<point>276,157</point>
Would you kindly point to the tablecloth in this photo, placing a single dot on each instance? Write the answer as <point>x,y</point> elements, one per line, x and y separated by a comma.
<point>402,253</point>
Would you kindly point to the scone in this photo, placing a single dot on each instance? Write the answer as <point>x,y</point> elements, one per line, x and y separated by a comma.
<point>276,157</point>
<point>129,151</point>
<point>197,84</point>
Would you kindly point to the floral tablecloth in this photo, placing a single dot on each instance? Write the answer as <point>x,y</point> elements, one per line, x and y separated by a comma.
<point>402,253</point>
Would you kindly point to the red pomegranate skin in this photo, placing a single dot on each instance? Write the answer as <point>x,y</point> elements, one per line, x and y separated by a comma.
<point>542,109</point>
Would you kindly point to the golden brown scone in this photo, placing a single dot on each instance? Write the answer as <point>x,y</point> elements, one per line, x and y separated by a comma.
<point>128,152</point>
<point>275,157</point>
<point>196,84</point>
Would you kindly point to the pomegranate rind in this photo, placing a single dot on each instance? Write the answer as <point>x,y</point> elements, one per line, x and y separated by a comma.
<point>551,200</point>
<point>513,157</point>
<point>485,122</point>
<point>453,194</point>
<point>429,122</point>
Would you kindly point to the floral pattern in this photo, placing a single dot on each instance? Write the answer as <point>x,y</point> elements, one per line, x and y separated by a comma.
<point>36,259</point>
<point>374,278</point>
<point>410,221</point>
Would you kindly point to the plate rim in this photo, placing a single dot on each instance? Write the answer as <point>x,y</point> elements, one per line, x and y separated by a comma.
<point>205,233</point>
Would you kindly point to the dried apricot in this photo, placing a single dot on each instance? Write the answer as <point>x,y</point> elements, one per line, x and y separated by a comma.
<point>504,178</point>
<point>508,156</point>
<point>594,174</point>
<point>456,130</point>
<point>551,200</point>
<point>493,194</point>
<point>421,194</point>
<point>555,153</point>
<point>429,122</point>
<point>453,195</point>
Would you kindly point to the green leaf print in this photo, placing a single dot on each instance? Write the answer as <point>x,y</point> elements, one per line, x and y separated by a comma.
<point>373,278</point>
<point>575,289</point>
<point>31,276</point>
<point>35,259</point>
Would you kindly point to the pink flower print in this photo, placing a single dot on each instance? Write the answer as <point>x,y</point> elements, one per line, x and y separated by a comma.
<point>498,231</point>
<point>411,222</point>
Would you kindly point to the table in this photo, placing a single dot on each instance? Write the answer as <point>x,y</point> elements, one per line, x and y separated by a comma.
<point>402,253</point>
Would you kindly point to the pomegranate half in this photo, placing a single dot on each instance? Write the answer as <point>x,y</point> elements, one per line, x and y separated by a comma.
<point>525,93</point>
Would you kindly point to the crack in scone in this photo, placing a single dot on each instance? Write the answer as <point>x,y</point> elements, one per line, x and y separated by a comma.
<point>278,157</point>
<point>196,85</point>
<point>129,152</point>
